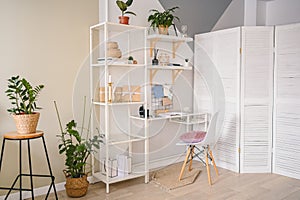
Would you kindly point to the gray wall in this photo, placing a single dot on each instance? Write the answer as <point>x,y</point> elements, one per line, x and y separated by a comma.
<point>199,15</point>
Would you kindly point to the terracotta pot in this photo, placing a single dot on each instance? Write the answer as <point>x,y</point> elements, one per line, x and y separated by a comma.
<point>163,30</point>
<point>124,20</point>
<point>76,187</point>
<point>26,123</point>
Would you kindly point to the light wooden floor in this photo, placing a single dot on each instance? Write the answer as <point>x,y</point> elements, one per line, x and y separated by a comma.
<point>228,185</point>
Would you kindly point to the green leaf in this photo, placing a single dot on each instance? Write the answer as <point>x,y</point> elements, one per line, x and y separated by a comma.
<point>129,2</point>
<point>129,12</point>
<point>62,150</point>
<point>123,6</point>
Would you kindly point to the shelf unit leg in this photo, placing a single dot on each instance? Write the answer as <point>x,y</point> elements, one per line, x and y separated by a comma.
<point>107,188</point>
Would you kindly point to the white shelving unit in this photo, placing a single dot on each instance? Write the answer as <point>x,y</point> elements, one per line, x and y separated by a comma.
<point>109,114</point>
<point>113,118</point>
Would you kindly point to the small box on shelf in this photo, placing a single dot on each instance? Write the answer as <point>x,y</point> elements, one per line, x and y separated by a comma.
<point>131,93</point>
<point>111,169</point>
<point>124,165</point>
<point>102,94</point>
<point>123,94</point>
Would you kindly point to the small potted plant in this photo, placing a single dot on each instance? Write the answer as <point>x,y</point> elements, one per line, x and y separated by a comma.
<point>162,20</point>
<point>130,60</point>
<point>123,7</point>
<point>77,145</point>
<point>23,97</point>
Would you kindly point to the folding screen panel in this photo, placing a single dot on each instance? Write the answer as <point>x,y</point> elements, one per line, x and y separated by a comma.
<point>256,99</point>
<point>217,59</point>
<point>287,105</point>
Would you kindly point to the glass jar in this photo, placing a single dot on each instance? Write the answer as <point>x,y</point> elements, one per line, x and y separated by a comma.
<point>164,59</point>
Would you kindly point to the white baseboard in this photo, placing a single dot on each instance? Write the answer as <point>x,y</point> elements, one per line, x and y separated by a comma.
<point>37,192</point>
<point>154,164</point>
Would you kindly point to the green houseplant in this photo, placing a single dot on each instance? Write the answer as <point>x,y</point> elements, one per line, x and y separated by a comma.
<point>123,7</point>
<point>162,20</point>
<point>77,145</point>
<point>130,60</point>
<point>23,97</point>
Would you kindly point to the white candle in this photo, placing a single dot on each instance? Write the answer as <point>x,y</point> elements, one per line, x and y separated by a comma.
<point>109,78</point>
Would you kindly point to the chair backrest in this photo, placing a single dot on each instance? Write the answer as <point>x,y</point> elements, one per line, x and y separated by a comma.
<point>211,133</point>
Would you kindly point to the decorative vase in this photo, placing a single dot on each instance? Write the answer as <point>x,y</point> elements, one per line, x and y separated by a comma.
<point>76,187</point>
<point>186,63</point>
<point>124,20</point>
<point>163,30</point>
<point>26,123</point>
<point>155,60</point>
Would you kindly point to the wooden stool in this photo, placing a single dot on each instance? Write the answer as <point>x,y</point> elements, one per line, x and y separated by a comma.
<point>20,137</point>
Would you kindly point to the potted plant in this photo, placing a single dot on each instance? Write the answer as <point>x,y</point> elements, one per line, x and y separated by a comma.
<point>77,146</point>
<point>23,97</point>
<point>123,7</point>
<point>130,60</point>
<point>162,20</point>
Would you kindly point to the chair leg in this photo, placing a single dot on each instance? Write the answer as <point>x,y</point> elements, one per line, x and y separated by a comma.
<point>207,167</point>
<point>191,158</point>
<point>184,163</point>
<point>213,161</point>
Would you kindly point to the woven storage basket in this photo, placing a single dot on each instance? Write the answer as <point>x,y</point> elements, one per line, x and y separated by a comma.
<point>26,123</point>
<point>76,187</point>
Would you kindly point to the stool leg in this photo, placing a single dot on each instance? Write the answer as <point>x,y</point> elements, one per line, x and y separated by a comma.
<point>50,171</point>
<point>20,166</point>
<point>2,150</point>
<point>30,169</point>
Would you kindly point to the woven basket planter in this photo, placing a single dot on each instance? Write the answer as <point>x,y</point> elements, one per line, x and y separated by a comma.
<point>76,187</point>
<point>26,123</point>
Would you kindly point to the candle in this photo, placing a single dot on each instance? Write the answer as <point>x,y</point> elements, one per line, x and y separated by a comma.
<point>109,78</point>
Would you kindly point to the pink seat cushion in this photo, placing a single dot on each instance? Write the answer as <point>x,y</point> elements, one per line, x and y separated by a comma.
<point>193,136</point>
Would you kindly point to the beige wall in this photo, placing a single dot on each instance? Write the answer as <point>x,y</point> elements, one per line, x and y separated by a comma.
<point>47,42</point>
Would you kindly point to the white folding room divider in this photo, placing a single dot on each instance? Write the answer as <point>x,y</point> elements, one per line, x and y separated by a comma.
<point>256,99</point>
<point>287,104</point>
<point>217,57</point>
<point>243,59</point>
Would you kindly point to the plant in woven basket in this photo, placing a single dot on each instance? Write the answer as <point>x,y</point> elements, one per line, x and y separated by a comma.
<point>77,145</point>
<point>23,97</point>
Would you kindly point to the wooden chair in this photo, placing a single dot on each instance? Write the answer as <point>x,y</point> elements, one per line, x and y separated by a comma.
<point>205,139</point>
